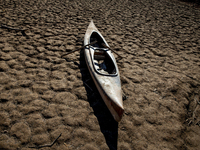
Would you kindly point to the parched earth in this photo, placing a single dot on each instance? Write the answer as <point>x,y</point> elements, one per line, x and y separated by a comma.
<point>43,95</point>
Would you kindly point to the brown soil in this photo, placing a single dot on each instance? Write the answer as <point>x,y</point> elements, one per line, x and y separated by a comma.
<point>43,95</point>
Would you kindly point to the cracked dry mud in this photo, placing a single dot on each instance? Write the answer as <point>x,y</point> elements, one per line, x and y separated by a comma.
<point>43,95</point>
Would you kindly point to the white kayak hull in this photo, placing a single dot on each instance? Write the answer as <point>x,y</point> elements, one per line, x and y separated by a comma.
<point>104,71</point>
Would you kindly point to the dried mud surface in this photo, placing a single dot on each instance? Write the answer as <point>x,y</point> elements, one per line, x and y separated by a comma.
<point>43,95</point>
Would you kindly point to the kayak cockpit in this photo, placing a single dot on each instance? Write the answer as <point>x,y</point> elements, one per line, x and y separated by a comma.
<point>102,61</point>
<point>96,37</point>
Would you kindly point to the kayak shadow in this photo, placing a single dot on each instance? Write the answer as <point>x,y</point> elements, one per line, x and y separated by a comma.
<point>108,126</point>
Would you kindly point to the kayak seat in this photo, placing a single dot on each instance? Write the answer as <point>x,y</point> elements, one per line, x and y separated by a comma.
<point>103,63</point>
<point>99,55</point>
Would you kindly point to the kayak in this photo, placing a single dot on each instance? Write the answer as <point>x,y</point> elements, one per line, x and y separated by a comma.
<point>104,71</point>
